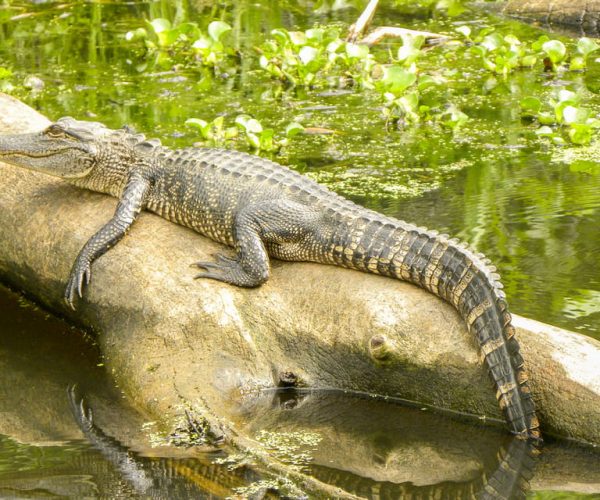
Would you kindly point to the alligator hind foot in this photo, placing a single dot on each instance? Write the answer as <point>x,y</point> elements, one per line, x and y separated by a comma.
<point>230,270</point>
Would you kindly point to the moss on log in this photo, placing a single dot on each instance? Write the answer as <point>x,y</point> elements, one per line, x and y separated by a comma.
<point>168,338</point>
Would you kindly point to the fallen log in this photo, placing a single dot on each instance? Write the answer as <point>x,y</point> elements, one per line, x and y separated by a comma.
<point>583,15</point>
<point>170,340</point>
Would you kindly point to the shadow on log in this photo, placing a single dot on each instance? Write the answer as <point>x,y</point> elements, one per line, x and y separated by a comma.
<point>171,341</point>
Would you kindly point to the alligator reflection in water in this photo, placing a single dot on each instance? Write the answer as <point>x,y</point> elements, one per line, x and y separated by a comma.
<point>159,477</point>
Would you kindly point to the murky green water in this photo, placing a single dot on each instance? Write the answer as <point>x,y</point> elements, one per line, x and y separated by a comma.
<point>531,209</point>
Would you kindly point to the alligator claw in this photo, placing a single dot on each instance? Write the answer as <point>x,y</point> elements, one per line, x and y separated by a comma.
<point>220,260</point>
<point>80,276</point>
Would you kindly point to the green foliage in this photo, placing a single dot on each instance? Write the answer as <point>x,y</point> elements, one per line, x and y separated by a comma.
<point>314,57</point>
<point>502,54</point>
<point>5,80</point>
<point>184,42</point>
<point>248,129</point>
<point>572,121</point>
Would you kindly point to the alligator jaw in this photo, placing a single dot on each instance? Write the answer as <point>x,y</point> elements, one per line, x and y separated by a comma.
<point>55,157</point>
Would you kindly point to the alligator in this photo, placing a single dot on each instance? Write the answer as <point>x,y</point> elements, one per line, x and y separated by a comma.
<point>264,210</point>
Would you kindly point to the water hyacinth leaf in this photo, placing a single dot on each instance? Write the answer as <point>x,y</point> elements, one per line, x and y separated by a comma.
<point>217,29</point>
<point>537,45</point>
<point>580,133</point>
<point>297,38</point>
<point>546,118</point>
<point>138,34</point>
<point>555,50</point>
<point>571,114</point>
<point>357,51</point>
<point>281,36</point>
<point>308,54</point>
<point>528,61</point>
<point>196,123</point>
<point>397,79</point>
<point>531,105</point>
<point>492,42</point>
<point>567,95</point>
<point>249,124</point>
<point>293,129</point>
<point>160,24</point>
<point>315,35</point>
<point>577,63</point>
<point>512,40</point>
<point>464,31</point>
<point>544,131</point>
<point>586,46</point>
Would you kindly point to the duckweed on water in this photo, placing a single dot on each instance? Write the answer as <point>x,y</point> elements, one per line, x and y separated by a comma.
<point>293,448</point>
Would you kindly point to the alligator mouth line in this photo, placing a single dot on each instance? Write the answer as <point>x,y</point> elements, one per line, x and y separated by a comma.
<point>21,154</point>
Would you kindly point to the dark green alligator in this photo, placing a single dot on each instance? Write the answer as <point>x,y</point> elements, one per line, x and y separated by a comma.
<point>266,210</point>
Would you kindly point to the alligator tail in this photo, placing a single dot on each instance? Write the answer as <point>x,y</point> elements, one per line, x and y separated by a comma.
<point>450,270</point>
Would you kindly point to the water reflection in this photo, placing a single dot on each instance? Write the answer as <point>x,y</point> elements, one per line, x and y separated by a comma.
<point>375,449</point>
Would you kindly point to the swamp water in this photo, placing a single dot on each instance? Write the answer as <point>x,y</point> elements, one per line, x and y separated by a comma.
<point>533,208</point>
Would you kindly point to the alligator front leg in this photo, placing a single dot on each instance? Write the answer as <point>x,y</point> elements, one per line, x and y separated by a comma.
<point>130,205</point>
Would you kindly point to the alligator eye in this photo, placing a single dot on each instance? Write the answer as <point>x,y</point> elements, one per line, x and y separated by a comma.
<point>55,131</point>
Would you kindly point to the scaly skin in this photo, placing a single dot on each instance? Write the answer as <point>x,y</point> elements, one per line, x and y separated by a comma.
<point>265,210</point>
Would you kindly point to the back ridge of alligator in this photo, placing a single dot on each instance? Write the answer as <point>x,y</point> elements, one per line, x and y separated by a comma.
<point>265,210</point>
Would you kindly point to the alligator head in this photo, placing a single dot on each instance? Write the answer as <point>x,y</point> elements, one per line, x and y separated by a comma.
<point>67,148</point>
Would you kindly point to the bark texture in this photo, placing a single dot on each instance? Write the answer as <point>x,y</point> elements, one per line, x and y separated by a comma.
<point>169,339</point>
<point>582,15</point>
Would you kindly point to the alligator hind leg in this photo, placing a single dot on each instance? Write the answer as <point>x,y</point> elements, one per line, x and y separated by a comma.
<point>260,225</point>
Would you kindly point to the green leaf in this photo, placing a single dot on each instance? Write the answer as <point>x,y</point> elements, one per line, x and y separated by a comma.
<point>545,131</point>
<point>357,50</point>
<point>464,31</point>
<point>492,42</point>
<point>586,46</point>
<point>546,118</point>
<point>293,129</point>
<point>138,34</point>
<point>160,24</point>
<point>537,45</point>
<point>577,63</point>
<point>249,124</point>
<point>531,105</point>
<point>397,79</point>
<point>571,114</point>
<point>580,133</point>
<point>555,50</point>
<point>297,38</point>
<point>567,95</point>
<point>217,29</point>
<point>315,35</point>
<point>196,123</point>
<point>308,54</point>
<point>281,35</point>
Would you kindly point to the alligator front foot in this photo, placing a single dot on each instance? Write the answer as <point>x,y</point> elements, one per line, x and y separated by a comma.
<point>80,275</point>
